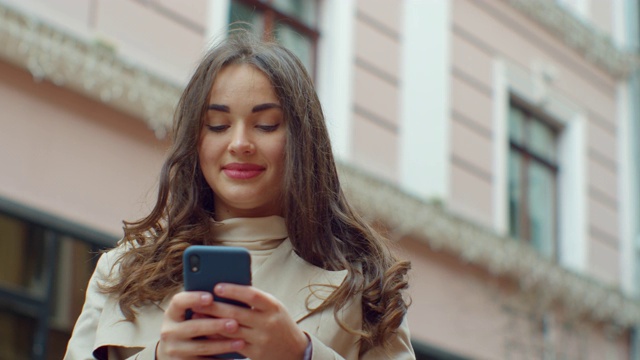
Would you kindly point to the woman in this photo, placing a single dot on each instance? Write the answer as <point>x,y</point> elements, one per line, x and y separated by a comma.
<point>251,165</point>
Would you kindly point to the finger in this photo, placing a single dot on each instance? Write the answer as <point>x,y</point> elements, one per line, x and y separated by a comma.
<point>230,333</point>
<point>182,301</point>
<point>243,315</point>
<point>254,298</point>
<point>197,315</point>
<point>204,347</point>
<point>196,328</point>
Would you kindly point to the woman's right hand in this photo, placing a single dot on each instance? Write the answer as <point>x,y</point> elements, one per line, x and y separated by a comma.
<point>178,337</point>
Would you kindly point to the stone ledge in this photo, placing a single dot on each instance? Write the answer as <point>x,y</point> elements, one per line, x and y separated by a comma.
<point>594,45</point>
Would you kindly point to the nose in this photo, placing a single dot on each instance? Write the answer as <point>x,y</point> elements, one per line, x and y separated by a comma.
<point>241,143</point>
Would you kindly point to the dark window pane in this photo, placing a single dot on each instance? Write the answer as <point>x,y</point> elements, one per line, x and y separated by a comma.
<point>515,189</point>
<point>57,344</point>
<point>516,125</point>
<point>532,171</point>
<point>16,335</point>
<point>542,140</point>
<point>303,10</point>
<point>21,256</point>
<point>300,45</point>
<point>290,22</point>
<point>27,273</point>
<point>541,193</point>
<point>242,16</point>
<point>75,266</point>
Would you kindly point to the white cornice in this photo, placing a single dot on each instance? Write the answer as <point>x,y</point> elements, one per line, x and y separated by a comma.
<point>99,73</point>
<point>90,68</point>
<point>594,45</point>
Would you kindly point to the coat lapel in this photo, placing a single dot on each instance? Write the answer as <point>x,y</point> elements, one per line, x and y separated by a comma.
<point>298,285</point>
<point>114,329</point>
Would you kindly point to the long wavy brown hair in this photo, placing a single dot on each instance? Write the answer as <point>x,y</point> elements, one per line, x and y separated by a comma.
<point>322,226</point>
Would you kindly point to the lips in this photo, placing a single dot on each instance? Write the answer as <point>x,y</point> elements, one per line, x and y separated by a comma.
<point>242,171</point>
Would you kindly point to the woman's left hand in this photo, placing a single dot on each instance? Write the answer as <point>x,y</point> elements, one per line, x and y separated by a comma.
<point>266,327</point>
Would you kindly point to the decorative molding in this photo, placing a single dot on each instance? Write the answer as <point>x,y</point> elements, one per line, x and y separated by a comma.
<point>441,230</point>
<point>595,45</point>
<point>97,72</point>
<point>92,69</point>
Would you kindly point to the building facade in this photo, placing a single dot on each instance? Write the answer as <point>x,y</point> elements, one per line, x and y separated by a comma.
<point>495,142</point>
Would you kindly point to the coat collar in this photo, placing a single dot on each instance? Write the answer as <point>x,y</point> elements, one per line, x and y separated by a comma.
<point>300,286</point>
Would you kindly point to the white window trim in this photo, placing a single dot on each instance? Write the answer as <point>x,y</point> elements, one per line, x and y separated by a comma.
<point>532,85</point>
<point>629,247</point>
<point>217,21</point>
<point>335,72</point>
<point>625,25</point>
<point>622,10</point>
<point>579,7</point>
<point>425,103</point>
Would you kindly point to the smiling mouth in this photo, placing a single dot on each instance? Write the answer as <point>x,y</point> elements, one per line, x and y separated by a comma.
<point>242,171</point>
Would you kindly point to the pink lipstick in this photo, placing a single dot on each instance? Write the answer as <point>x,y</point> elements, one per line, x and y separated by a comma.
<point>240,171</point>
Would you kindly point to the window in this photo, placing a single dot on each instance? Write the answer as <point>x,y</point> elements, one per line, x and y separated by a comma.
<point>44,273</point>
<point>533,179</point>
<point>427,352</point>
<point>293,23</point>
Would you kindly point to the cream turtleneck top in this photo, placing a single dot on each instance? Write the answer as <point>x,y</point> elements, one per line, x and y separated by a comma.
<point>261,236</point>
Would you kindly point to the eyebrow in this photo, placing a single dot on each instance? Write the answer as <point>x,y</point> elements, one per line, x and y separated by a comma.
<point>257,108</point>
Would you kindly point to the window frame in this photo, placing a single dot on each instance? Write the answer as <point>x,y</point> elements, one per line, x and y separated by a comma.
<point>532,113</point>
<point>272,15</point>
<point>425,351</point>
<point>40,306</point>
<point>526,83</point>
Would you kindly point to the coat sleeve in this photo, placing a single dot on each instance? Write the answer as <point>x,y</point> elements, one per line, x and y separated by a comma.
<point>82,341</point>
<point>399,348</point>
<point>322,351</point>
<point>82,344</point>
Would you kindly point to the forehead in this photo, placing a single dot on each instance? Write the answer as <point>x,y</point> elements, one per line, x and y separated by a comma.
<point>242,81</point>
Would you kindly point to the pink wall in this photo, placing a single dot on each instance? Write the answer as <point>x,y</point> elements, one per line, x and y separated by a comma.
<point>466,311</point>
<point>159,34</point>
<point>74,157</point>
<point>376,97</point>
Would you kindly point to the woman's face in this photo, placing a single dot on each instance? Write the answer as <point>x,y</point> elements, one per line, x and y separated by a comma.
<point>241,149</point>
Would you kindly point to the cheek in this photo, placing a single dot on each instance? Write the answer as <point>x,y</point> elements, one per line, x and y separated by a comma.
<point>208,152</point>
<point>202,157</point>
<point>278,154</point>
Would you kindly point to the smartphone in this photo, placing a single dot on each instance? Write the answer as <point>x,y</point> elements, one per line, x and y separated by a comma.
<point>205,266</point>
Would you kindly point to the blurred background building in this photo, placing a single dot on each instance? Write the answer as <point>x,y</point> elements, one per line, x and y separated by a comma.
<point>496,142</point>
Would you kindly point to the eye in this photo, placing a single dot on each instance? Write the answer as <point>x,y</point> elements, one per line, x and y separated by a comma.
<point>217,128</point>
<point>268,128</point>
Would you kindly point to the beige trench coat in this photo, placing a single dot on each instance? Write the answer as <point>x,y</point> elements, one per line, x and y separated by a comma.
<point>102,332</point>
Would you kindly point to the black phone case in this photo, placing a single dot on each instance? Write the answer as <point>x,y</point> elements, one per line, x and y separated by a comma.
<point>217,264</point>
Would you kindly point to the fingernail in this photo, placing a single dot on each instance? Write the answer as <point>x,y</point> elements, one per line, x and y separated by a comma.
<point>205,298</point>
<point>230,325</point>
<point>219,289</point>
<point>237,344</point>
